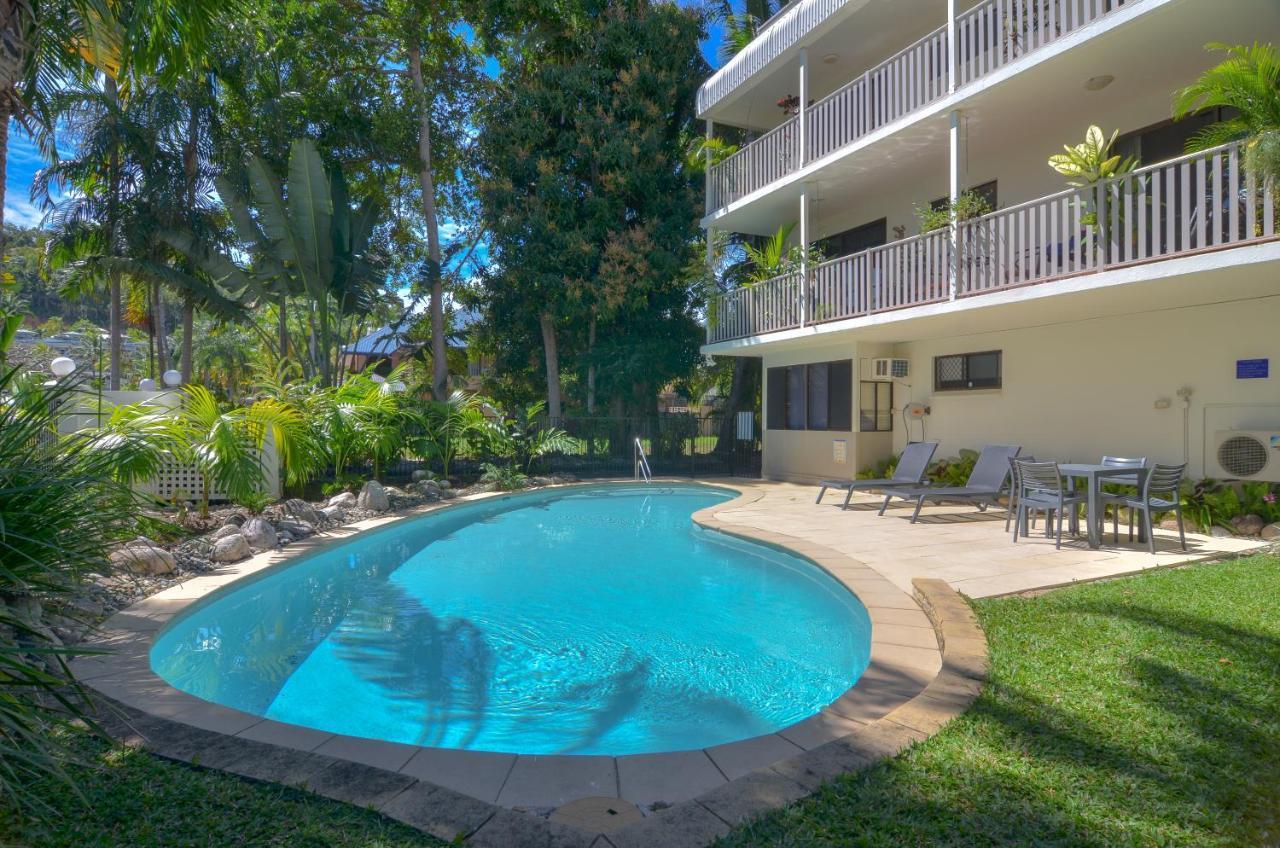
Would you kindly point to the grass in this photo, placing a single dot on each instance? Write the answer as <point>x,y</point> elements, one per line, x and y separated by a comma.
<point>1141,712</point>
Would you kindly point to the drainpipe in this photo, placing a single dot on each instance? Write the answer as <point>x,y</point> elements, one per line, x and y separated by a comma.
<point>804,252</point>
<point>804,105</point>
<point>952,53</point>
<point>957,160</point>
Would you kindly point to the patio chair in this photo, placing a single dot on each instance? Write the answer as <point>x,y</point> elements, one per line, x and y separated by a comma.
<point>1124,480</point>
<point>909,472</point>
<point>1040,488</point>
<point>1014,484</point>
<point>984,486</point>
<point>1163,480</point>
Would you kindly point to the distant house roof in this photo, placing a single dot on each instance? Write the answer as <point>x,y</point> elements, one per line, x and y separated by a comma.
<point>382,342</point>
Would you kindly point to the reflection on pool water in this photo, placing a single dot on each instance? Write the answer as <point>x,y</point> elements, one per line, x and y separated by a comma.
<point>591,620</point>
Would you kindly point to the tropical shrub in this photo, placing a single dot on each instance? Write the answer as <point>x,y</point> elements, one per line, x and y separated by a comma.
<point>447,425</point>
<point>504,477</point>
<point>520,437</point>
<point>881,470</point>
<point>62,504</point>
<point>953,471</point>
<point>968,205</point>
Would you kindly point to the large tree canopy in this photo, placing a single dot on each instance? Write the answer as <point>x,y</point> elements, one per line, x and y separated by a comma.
<point>590,211</point>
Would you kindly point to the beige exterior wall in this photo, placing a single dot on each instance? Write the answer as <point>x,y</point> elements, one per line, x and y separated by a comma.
<point>1076,391</point>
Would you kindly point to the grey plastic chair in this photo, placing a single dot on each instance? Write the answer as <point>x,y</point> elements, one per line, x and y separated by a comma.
<point>1040,488</point>
<point>1110,498</point>
<point>984,486</point>
<point>1163,480</point>
<point>909,472</point>
<point>1014,484</point>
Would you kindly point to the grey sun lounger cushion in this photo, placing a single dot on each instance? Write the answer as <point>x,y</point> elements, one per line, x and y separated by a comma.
<point>909,472</point>
<point>983,486</point>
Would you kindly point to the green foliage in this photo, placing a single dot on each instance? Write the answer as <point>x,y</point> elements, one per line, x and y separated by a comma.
<point>345,483</point>
<point>968,205</point>
<point>1209,503</point>
<point>447,426</point>
<point>1247,83</point>
<point>881,470</point>
<point>1091,161</point>
<point>953,471</point>
<point>61,505</point>
<point>504,477</point>
<point>521,435</point>
<point>1261,499</point>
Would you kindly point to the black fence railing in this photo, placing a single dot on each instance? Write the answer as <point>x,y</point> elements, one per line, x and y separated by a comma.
<point>676,445</point>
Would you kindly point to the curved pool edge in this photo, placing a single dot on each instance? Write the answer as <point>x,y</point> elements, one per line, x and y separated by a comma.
<point>918,678</point>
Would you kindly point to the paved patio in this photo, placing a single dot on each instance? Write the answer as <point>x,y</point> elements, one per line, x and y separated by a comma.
<point>967,548</point>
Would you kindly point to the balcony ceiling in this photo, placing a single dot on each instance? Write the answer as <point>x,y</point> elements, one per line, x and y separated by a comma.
<point>1046,99</point>
<point>858,38</point>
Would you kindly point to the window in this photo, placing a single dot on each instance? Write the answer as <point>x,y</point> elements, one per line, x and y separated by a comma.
<point>962,371</point>
<point>875,406</point>
<point>817,396</point>
<point>856,240</point>
<point>987,191</point>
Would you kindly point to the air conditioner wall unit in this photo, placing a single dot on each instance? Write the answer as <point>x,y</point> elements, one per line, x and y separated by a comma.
<point>1245,455</point>
<point>890,369</point>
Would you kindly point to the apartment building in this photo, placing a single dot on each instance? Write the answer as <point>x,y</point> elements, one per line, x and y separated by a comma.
<point>1137,316</point>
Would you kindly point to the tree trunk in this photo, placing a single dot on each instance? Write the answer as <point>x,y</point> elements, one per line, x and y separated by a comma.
<point>739,389</point>
<point>158,322</point>
<point>284,328</point>
<point>435,273</point>
<point>548,325</point>
<point>116,327</point>
<point>591,366</point>
<point>188,328</point>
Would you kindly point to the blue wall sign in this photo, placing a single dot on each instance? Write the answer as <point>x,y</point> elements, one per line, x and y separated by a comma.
<point>1252,369</point>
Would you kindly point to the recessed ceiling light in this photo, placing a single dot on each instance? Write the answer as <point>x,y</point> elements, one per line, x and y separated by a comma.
<point>830,58</point>
<point>1099,82</point>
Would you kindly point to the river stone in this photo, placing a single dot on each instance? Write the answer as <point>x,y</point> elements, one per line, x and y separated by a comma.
<point>143,556</point>
<point>374,496</point>
<point>1220,532</point>
<point>448,494</point>
<point>302,510</point>
<point>1271,531</point>
<point>346,500</point>
<point>333,514</point>
<point>419,475</point>
<point>444,484</point>
<point>224,531</point>
<point>231,549</point>
<point>259,533</point>
<point>1248,525</point>
<point>430,488</point>
<point>296,529</point>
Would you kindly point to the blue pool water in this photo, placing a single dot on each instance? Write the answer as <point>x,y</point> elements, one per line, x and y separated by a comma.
<point>596,620</point>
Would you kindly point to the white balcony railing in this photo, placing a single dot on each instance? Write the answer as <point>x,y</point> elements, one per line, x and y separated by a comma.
<point>988,37</point>
<point>1195,203</point>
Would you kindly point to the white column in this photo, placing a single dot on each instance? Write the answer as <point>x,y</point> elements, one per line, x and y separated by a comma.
<point>804,105</point>
<point>956,153</point>
<point>804,253</point>
<point>952,53</point>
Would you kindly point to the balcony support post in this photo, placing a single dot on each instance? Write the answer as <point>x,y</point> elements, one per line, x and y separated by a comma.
<point>952,53</point>
<point>803,118</point>
<point>804,253</point>
<point>956,153</point>
<point>708,201</point>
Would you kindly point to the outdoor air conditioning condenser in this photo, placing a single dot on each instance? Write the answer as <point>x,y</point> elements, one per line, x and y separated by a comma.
<point>1245,455</point>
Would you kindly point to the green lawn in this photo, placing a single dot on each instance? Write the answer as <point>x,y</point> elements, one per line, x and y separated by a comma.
<point>1143,712</point>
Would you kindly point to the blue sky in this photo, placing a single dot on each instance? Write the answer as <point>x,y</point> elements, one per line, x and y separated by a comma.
<point>24,158</point>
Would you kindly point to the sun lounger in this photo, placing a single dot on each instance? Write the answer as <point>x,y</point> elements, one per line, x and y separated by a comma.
<point>983,487</point>
<point>909,472</point>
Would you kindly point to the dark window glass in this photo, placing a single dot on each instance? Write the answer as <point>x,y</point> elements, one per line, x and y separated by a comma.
<point>875,407</point>
<point>776,391</point>
<point>856,240</point>
<point>987,191</point>
<point>967,371</point>
<point>819,396</point>
<point>840,410</point>
<point>795,397</point>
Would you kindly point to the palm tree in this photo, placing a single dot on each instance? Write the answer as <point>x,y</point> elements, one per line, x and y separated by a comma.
<point>1247,82</point>
<point>446,426</point>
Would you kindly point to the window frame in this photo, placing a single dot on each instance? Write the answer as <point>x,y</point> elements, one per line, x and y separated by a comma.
<point>875,409</point>
<point>839,397</point>
<point>965,358</point>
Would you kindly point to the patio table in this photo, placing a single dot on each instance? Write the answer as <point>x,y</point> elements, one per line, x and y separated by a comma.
<point>1095,474</point>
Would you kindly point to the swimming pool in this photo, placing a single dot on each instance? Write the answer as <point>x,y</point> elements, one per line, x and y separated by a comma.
<point>586,620</point>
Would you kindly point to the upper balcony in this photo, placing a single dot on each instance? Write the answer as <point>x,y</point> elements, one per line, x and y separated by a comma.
<point>1182,208</point>
<point>990,37</point>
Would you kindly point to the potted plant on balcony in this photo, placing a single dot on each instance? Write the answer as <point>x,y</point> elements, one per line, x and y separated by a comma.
<point>1093,167</point>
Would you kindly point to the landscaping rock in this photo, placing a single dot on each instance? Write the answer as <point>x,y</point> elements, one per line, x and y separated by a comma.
<point>231,549</point>
<point>444,484</point>
<point>1220,532</point>
<point>333,514</point>
<point>541,481</point>
<point>1271,531</point>
<point>224,531</point>
<point>448,494</point>
<point>346,500</point>
<point>259,533</point>
<point>143,556</point>
<point>419,475</point>
<point>374,496</point>
<point>430,488</point>
<point>284,537</point>
<point>1248,525</point>
<point>235,519</point>
<point>296,529</point>
<point>302,510</point>
<point>1168,524</point>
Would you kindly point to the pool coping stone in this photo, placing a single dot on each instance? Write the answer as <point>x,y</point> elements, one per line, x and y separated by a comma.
<point>928,663</point>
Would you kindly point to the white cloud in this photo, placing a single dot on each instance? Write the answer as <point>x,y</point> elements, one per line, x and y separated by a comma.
<point>21,212</point>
